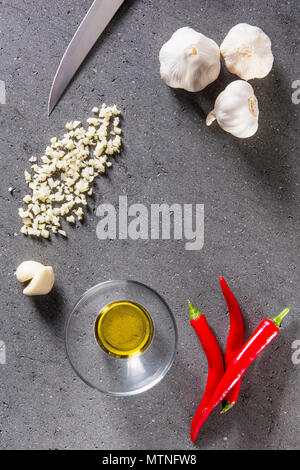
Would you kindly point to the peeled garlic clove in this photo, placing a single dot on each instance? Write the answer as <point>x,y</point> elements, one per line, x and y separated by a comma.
<point>42,277</point>
<point>236,110</point>
<point>27,270</point>
<point>189,60</point>
<point>247,52</point>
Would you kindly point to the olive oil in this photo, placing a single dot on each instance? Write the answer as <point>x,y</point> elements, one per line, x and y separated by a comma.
<point>124,329</point>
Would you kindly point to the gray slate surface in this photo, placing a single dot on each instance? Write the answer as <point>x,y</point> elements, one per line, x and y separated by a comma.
<point>250,189</point>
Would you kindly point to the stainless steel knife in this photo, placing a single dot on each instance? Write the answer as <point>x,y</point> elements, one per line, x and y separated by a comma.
<point>92,25</point>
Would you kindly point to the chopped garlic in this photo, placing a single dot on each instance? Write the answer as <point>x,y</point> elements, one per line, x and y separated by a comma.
<point>76,124</point>
<point>62,232</point>
<point>93,121</point>
<point>27,176</point>
<point>61,182</point>
<point>45,233</point>
<point>27,198</point>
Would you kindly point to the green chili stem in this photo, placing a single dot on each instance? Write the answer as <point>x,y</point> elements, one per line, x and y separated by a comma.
<point>278,319</point>
<point>194,313</point>
<point>226,407</point>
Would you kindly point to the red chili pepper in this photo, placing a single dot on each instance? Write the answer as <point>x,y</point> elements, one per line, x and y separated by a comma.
<point>213,354</point>
<point>263,335</point>
<point>235,340</point>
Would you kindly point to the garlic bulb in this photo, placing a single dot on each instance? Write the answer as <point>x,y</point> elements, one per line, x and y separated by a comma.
<point>189,60</point>
<point>236,110</point>
<point>247,52</point>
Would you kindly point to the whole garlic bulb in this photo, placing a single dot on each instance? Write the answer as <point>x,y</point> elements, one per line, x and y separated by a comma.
<point>236,110</point>
<point>189,60</point>
<point>247,52</point>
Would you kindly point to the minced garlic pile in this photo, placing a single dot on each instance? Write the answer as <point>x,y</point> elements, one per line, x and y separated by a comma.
<point>59,185</point>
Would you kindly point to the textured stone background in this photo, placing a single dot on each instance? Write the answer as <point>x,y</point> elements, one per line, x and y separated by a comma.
<point>250,190</point>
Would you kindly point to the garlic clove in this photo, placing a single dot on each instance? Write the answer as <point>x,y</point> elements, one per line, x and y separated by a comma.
<point>41,283</point>
<point>42,277</point>
<point>27,270</point>
<point>236,110</point>
<point>189,60</point>
<point>247,52</point>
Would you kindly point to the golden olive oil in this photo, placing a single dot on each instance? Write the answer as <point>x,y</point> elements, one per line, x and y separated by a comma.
<point>124,329</point>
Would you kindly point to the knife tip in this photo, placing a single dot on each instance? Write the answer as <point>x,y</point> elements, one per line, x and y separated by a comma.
<point>50,106</point>
<point>52,100</point>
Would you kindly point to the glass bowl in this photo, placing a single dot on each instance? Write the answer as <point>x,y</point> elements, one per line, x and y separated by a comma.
<point>114,375</point>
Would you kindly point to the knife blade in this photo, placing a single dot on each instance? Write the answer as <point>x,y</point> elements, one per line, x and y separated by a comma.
<point>92,25</point>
